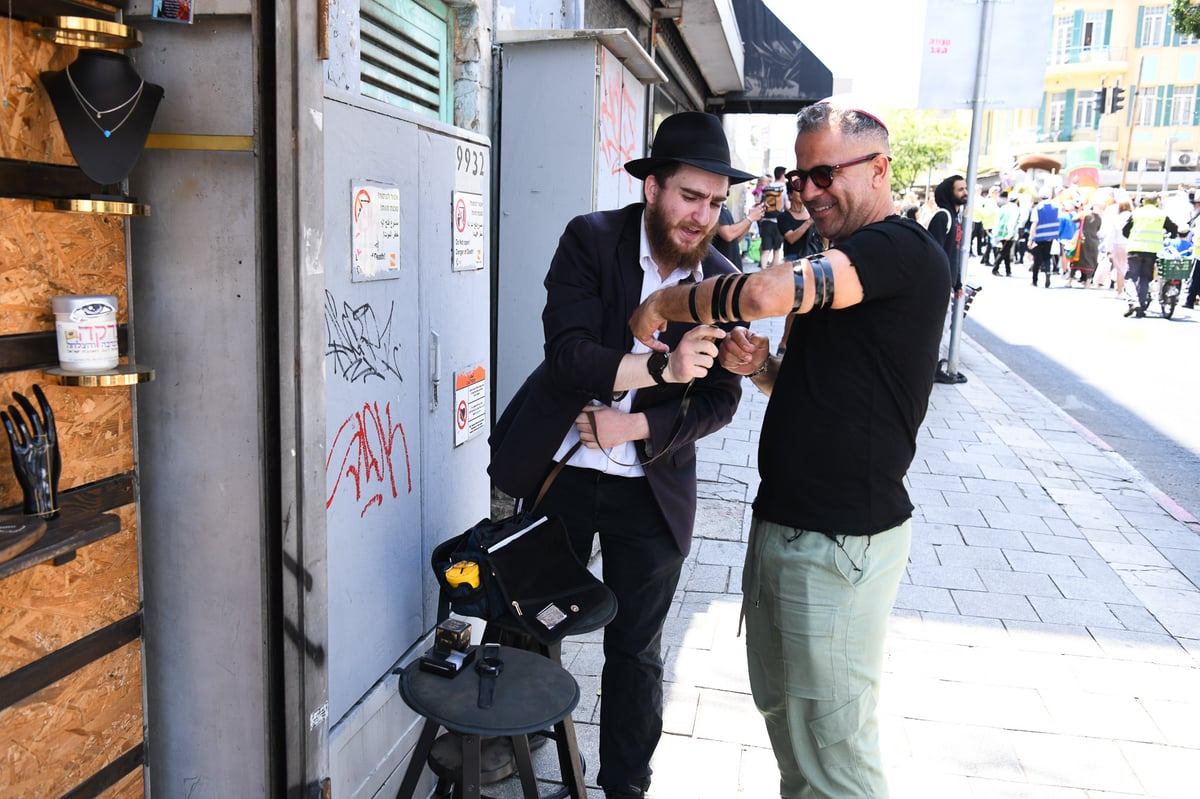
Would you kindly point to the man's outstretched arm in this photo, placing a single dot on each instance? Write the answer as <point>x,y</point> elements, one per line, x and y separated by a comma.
<point>775,291</point>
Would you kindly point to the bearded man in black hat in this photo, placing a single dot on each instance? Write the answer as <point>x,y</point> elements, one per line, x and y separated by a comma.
<point>637,413</point>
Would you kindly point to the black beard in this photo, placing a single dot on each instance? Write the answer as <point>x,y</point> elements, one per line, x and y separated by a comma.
<point>664,248</point>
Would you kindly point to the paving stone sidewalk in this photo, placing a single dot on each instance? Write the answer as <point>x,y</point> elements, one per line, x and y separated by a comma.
<point>1046,638</point>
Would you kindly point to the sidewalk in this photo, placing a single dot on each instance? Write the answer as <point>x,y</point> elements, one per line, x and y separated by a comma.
<point>1045,641</point>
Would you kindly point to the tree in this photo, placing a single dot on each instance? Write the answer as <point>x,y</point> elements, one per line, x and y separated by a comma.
<point>1186,15</point>
<point>921,141</point>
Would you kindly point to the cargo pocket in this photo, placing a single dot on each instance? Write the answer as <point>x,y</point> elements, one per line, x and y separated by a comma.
<point>834,731</point>
<point>807,632</point>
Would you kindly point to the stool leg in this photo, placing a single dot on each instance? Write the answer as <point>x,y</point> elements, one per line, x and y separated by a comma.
<point>470,767</point>
<point>420,756</point>
<point>568,758</point>
<point>520,745</point>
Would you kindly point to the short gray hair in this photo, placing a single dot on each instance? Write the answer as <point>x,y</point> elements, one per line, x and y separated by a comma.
<point>851,123</point>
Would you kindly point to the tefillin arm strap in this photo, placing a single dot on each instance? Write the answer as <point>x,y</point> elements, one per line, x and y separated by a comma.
<point>726,299</point>
<point>822,283</point>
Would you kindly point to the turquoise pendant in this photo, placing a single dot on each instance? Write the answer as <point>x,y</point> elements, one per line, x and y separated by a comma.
<point>107,133</point>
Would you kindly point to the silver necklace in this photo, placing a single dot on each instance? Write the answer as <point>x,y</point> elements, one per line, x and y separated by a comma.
<point>132,102</point>
<point>8,69</point>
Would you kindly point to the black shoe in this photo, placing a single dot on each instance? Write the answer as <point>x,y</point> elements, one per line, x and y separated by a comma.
<point>1189,305</point>
<point>996,272</point>
<point>628,792</point>
<point>1129,311</point>
<point>1140,314</point>
<point>1007,273</point>
<point>1047,281</point>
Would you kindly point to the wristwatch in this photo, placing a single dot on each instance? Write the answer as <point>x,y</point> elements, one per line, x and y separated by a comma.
<point>489,666</point>
<point>656,365</point>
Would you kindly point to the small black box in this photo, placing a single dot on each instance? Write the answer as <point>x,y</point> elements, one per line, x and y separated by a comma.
<point>451,635</point>
<point>447,665</point>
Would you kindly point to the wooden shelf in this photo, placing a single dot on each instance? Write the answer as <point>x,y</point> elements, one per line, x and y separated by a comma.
<point>41,9</point>
<point>74,528</point>
<point>29,180</point>
<point>25,351</point>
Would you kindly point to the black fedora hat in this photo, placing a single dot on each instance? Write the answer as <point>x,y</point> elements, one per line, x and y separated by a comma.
<point>693,138</point>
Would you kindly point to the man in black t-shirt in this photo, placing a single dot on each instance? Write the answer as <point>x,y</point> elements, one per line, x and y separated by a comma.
<point>832,520</point>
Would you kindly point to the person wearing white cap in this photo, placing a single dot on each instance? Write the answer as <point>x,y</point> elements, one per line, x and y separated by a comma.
<point>637,412</point>
<point>832,525</point>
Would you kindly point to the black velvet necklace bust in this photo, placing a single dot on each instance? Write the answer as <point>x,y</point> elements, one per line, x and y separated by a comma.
<point>105,115</point>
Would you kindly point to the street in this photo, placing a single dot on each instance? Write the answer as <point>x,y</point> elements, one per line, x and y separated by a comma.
<point>1131,381</point>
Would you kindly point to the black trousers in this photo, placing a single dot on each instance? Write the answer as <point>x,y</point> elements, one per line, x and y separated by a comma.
<point>1194,285</point>
<point>1141,270</point>
<point>1004,256</point>
<point>642,565</point>
<point>1041,260</point>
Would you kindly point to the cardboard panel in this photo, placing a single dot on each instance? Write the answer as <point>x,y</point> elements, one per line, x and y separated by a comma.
<point>43,254</point>
<point>65,733</point>
<point>30,131</point>
<point>47,607</point>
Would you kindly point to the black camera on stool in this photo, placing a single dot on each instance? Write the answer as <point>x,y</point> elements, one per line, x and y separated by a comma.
<point>451,650</point>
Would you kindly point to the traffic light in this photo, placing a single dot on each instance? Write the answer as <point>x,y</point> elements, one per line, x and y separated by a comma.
<point>1101,100</point>
<point>1118,100</point>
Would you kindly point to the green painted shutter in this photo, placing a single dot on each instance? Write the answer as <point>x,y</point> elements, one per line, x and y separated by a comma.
<point>1159,107</point>
<point>406,55</point>
<point>1107,27</point>
<point>1068,116</point>
<point>1042,114</point>
<point>1169,107</point>
<point>1170,37</point>
<point>1076,37</point>
<point>1137,39</point>
<point>1196,106</point>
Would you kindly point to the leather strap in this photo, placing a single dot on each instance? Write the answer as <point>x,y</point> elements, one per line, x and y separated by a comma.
<point>676,429</point>
<point>558,467</point>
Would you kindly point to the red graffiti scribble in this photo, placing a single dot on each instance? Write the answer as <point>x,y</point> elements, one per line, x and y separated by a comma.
<point>618,117</point>
<point>365,442</point>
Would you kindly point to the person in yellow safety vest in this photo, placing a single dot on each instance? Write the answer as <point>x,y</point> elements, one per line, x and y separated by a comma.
<point>1145,233</point>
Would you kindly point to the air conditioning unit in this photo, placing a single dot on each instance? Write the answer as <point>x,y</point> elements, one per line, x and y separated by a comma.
<point>1186,159</point>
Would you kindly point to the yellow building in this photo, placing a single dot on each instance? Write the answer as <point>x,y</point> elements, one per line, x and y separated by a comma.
<point>1118,43</point>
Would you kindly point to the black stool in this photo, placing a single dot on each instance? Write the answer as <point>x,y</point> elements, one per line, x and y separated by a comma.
<point>533,693</point>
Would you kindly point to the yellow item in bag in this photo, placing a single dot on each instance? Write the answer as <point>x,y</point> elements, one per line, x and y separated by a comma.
<point>463,572</point>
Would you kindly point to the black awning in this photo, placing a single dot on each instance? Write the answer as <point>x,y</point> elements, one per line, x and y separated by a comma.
<point>781,74</point>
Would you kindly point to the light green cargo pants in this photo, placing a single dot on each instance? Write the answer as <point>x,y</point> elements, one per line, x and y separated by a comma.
<point>816,615</point>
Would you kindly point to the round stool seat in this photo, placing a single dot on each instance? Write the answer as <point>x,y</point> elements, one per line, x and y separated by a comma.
<point>531,694</point>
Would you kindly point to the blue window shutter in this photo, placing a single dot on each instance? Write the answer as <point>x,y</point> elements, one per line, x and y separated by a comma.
<point>1076,31</point>
<point>1170,36</point>
<point>1137,39</point>
<point>1196,106</point>
<point>1068,115</point>
<point>1169,108</point>
<point>1107,27</point>
<point>1042,114</point>
<point>1158,107</point>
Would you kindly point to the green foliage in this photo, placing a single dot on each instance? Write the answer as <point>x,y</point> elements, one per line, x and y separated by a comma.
<point>1186,16</point>
<point>921,140</point>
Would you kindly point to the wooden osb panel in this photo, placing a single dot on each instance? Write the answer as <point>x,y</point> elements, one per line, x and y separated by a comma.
<point>47,607</point>
<point>45,254</point>
<point>29,129</point>
<point>95,431</point>
<point>68,731</point>
<point>130,786</point>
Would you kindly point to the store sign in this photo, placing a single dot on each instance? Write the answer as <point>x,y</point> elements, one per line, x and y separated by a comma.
<point>950,60</point>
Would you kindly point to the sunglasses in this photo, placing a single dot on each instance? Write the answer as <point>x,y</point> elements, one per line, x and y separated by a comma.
<point>822,176</point>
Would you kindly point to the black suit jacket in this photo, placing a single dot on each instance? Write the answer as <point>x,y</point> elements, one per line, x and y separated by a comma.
<point>593,286</point>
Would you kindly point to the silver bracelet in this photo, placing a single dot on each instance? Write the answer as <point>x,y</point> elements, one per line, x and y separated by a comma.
<point>761,369</point>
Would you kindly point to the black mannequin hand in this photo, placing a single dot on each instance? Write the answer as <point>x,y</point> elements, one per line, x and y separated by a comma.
<point>35,456</point>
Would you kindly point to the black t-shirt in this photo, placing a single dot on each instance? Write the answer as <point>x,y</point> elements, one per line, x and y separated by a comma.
<point>841,426</point>
<point>729,249</point>
<point>808,244</point>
